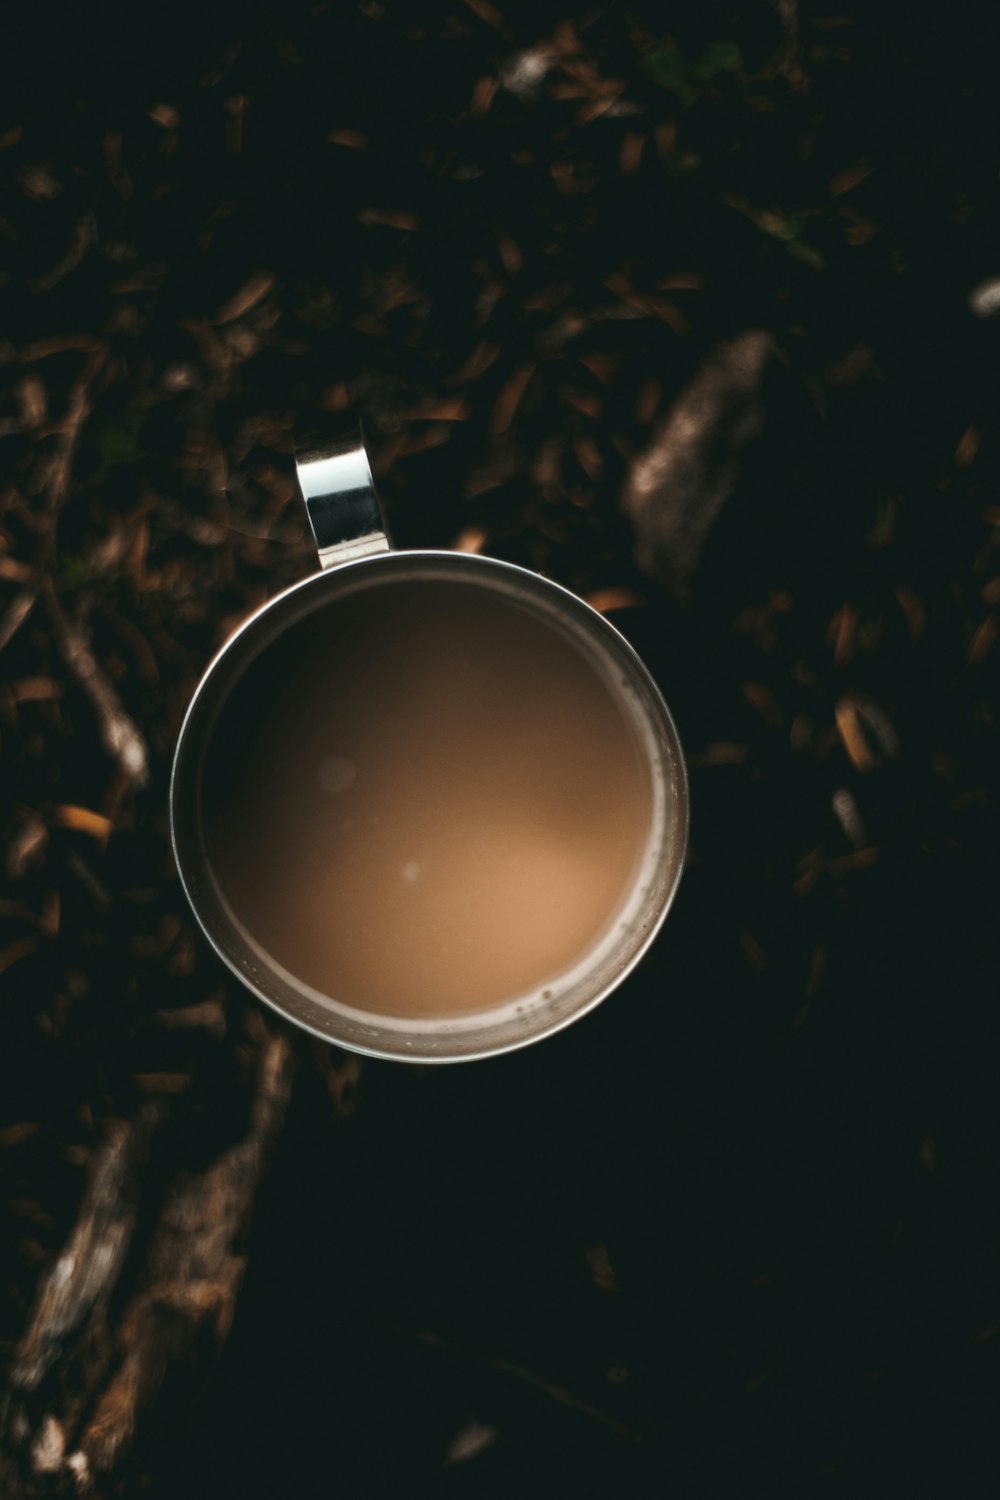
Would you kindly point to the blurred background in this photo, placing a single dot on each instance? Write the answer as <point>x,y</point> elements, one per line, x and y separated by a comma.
<point>688,306</point>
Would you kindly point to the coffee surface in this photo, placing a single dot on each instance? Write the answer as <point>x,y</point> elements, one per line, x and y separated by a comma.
<point>425,800</point>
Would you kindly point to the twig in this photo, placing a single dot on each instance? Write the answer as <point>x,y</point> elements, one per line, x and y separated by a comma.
<point>789,60</point>
<point>83,236</point>
<point>81,1375</point>
<point>68,1322</point>
<point>88,1268</point>
<point>119,732</point>
<point>193,1271</point>
<point>677,487</point>
<point>77,411</point>
<point>16,613</point>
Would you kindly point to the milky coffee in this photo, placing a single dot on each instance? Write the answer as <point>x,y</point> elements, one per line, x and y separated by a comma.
<point>426,800</point>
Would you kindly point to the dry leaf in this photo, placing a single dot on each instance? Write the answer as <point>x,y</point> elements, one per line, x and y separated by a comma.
<point>509,398</point>
<point>16,951</point>
<point>472,539</point>
<point>17,572</point>
<point>844,631</point>
<point>753,952</point>
<point>165,115</point>
<point>968,447</point>
<point>913,609</point>
<point>606,600</point>
<point>17,612</point>
<point>355,140</point>
<point>849,178</point>
<point>487,12</point>
<point>853,736</point>
<point>681,281</point>
<point>983,637</point>
<point>483,94</point>
<point>585,402</point>
<point>249,294</point>
<point>162,1083</point>
<point>83,820</point>
<point>510,254</point>
<point>448,409</point>
<point>589,457</point>
<point>630,153</point>
<point>478,362</point>
<point>390,218</point>
<point>35,689</point>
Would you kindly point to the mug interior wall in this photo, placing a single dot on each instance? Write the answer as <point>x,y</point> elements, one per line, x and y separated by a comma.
<point>466,1036</point>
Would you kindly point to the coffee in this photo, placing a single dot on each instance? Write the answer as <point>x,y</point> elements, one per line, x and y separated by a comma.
<point>426,800</point>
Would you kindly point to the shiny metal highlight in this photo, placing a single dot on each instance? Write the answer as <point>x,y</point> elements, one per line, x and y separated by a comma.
<point>343,508</point>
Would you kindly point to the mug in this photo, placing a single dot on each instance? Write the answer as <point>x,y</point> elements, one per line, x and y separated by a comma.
<point>354,554</point>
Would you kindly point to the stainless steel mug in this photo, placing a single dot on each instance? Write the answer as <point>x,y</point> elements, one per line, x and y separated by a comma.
<point>354,554</point>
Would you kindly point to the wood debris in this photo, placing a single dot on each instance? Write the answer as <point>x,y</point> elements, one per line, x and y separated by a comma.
<point>190,1268</point>
<point>678,485</point>
<point>119,731</point>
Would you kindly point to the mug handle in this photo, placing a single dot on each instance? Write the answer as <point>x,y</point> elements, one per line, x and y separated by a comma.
<point>344,513</point>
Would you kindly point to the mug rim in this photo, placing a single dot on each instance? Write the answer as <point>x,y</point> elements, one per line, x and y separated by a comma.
<point>532,580</point>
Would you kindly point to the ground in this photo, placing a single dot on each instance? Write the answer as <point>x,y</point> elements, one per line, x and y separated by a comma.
<point>739,1228</point>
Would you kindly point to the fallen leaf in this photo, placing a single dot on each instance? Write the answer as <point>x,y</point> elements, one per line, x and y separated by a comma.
<point>165,115</point>
<point>478,362</point>
<point>606,600</point>
<point>162,1083</point>
<point>630,153</point>
<point>17,612</point>
<point>16,951</point>
<point>842,182</point>
<point>389,218</point>
<point>449,409</point>
<point>472,539</point>
<point>355,140</point>
<point>483,94</point>
<point>35,689</point>
<point>249,294</point>
<point>913,609</point>
<point>82,820</point>
<point>844,631</point>
<point>469,1441</point>
<point>983,637</point>
<point>853,736</point>
<point>968,447</point>
<point>487,13</point>
<point>510,254</point>
<point>509,398</point>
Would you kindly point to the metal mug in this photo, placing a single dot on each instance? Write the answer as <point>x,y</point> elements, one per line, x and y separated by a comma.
<point>354,553</point>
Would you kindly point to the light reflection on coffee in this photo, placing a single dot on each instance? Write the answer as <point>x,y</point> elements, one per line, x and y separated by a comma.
<point>426,800</point>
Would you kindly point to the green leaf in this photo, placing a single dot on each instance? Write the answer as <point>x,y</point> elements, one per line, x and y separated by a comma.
<point>685,161</point>
<point>118,442</point>
<point>667,67</point>
<point>780,226</point>
<point>720,57</point>
<point>73,571</point>
<point>807,253</point>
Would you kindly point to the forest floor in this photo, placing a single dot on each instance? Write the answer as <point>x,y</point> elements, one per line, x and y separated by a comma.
<point>740,1227</point>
